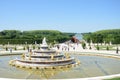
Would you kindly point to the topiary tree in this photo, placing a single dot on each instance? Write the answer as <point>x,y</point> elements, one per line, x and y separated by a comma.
<point>98,47</point>
<point>15,48</point>
<point>33,47</point>
<point>90,47</point>
<point>107,48</point>
<point>3,44</point>
<point>83,45</point>
<point>38,47</point>
<point>117,50</point>
<point>24,48</point>
<point>6,48</point>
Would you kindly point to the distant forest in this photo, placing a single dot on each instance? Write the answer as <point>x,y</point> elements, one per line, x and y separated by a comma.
<point>102,36</point>
<point>29,37</point>
<point>54,36</point>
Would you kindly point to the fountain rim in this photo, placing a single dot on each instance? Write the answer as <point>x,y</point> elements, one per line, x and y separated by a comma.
<point>101,55</point>
<point>91,54</point>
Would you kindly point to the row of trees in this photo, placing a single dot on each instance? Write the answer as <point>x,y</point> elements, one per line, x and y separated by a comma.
<point>103,35</point>
<point>21,37</point>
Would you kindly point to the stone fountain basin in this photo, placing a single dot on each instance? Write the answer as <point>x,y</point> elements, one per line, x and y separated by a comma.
<point>92,65</point>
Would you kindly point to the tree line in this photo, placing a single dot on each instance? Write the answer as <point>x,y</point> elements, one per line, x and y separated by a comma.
<point>102,36</point>
<point>30,37</point>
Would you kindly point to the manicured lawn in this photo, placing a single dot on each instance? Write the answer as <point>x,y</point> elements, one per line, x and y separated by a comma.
<point>104,47</point>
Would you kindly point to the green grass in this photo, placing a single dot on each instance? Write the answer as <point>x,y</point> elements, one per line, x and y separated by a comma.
<point>103,47</point>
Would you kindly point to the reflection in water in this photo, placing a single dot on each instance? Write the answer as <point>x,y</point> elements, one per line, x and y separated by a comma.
<point>43,73</point>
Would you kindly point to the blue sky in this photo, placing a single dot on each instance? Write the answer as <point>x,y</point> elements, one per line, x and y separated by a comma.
<point>63,15</point>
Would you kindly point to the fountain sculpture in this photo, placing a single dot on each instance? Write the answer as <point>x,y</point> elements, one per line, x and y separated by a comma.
<point>45,57</point>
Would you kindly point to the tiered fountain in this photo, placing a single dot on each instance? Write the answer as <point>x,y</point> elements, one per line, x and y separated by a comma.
<point>44,58</point>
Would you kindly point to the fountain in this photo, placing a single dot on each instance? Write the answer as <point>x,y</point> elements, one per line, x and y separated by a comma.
<point>94,65</point>
<point>44,58</point>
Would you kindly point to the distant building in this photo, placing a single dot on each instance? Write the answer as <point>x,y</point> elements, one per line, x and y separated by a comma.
<point>77,38</point>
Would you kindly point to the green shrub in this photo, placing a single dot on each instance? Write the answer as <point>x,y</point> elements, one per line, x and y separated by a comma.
<point>90,47</point>
<point>117,50</point>
<point>6,48</point>
<point>98,47</point>
<point>27,47</point>
<point>33,47</point>
<point>15,48</point>
<point>83,45</point>
<point>107,48</point>
<point>24,48</point>
<point>38,47</point>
